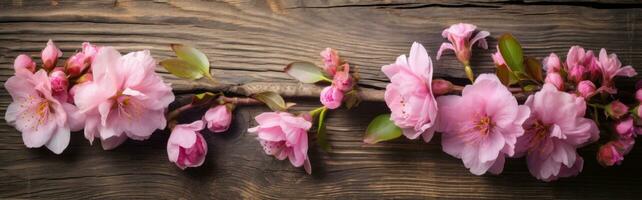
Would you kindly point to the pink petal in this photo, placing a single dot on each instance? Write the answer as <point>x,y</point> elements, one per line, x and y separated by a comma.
<point>480,38</point>
<point>59,140</point>
<point>626,71</point>
<point>419,60</point>
<point>112,142</point>
<point>443,47</point>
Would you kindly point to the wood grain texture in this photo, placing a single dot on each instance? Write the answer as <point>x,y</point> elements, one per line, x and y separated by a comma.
<point>250,42</point>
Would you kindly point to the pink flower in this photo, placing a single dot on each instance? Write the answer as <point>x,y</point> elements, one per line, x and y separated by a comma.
<point>218,118</point>
<point>616,109</point>
<point>586,89</point>
<point>624,128</point>
<point>612,153</point>
<point>550,140</point>
<point>555,79</point>
<point>331,97</point>
<point>125,99</point>
<point>284,135</point>
<point>498,59</point>
<point>24,62</point>
<point>76,64</point>
<point>409,94</point>
<point>638,95</point>
<point>42,119</point>
<point>552,63</point>
<point>50,55</point>
<point>59,85</point>
<point>482,125</point>
<point>342,79</point>
<point>580,64</point>
<point>186,146</point>
<point>330,60</point>
<point>461,42</point>
<point>612,67</point>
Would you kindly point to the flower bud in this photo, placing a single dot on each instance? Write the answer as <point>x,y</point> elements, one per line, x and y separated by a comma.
<point>90,51</point>
<point>576,73</point>
<point>50,55</point>
<point>59,84</point>
<point>555,79</point>
<point>586,89</point>
<point>342,80</point>
<point>498,59</point>
<point>330,60</point>
<point>608,155</point>
<point>24,62</point>
<point>616,109</point>
<point>441,87</point>
<point>76,64</point>
<point>186,146</point>
<point>624,128</point>
<point>331,97</point>
<point>552,63</point>
<point>218,118</point>
<point>638,95</point>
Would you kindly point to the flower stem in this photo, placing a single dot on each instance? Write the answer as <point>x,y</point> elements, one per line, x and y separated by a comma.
<point>315,112</point>
<point>239,100</point>
<point>171,116</point>
<point>469,73</point>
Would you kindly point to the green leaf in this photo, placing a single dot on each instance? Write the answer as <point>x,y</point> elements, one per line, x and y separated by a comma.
<point>506,76</point>
<point>305,72</point>
<point>322,137</point>
<point>511,51</point>
<point>530,88</point>
<point>181,69</point>
<point>534,69</point>
<point>272,100</point>
<point>381,129</point>
<point>194,57</point>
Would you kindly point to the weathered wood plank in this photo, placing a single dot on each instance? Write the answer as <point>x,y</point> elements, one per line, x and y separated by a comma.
<point>251,41</point>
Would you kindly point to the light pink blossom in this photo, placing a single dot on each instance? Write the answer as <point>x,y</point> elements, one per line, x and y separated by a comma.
<point>342,80</point>
<point>331,97</point>
<point>409,94</point>
<point>550,140</point>
<point>89,50</point>
<point>186,146</point>
<point>580,64</point>
<point>555,79</point>
<point>552,63</point>
<point>76,64</point>
<point>482,125</point>
<point>50,55</point>
<point>126,98</point>
<point>284,135</point>
<point>461,41</point>
<point>586,89</point>
<point>330,60</point>
<point>218,118</point>
<point>611,67</point>
<point>24,62</point>
<point>498,59</point>
<point>42,119</point>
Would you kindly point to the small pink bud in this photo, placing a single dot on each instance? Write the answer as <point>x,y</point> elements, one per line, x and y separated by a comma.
<point>555,79</point>
<point>59,84</point>
<point>186,146</point>
<point>576,73</point>
<point>218,118</point>
<point>342,80</point>
<point>498,59</point>
<point>50,55</point>
<point>616,109</point>
<point>586,89</point>
<point>552,63</point>
<point>330,60</point>
<point>638,95</point>
<point>24,62</point>
<point>89,50</point>
<point>608,155</point>
<point>331,97</point>
<point>441,87</point>
<point>624,128</point>
<point>76,64</point>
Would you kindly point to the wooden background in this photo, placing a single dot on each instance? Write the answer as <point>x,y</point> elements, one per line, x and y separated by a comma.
<point>251,41</point>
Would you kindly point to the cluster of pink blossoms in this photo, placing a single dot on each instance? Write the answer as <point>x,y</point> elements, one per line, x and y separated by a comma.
<point>485,124</point>
<point>342,82</point>
<point>55,98</point>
